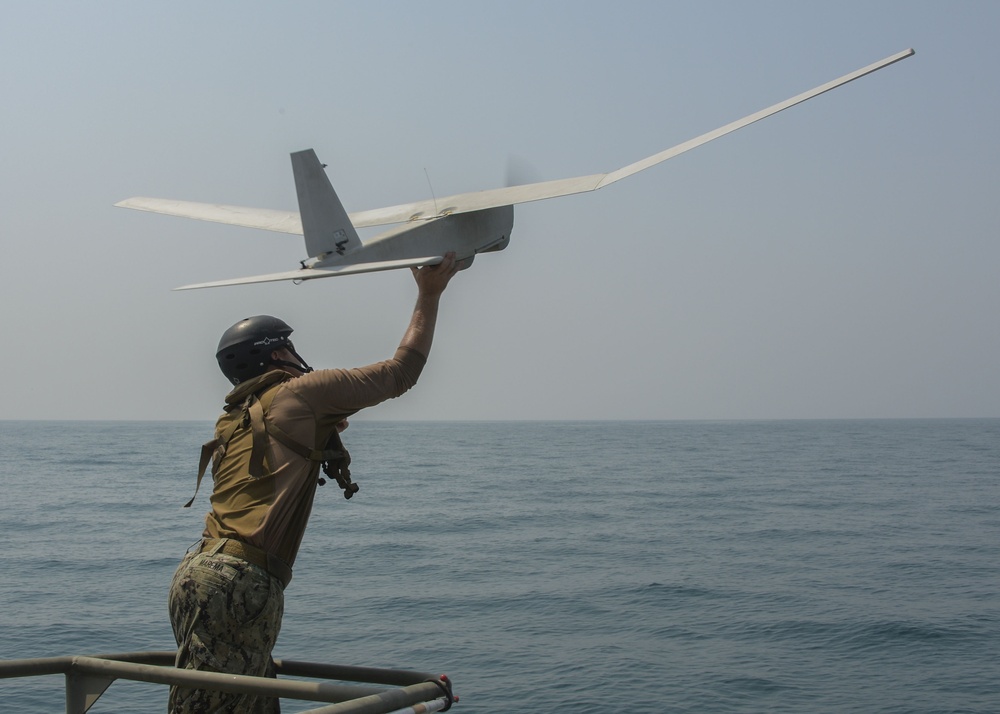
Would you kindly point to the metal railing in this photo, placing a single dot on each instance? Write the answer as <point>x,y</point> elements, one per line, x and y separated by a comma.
<point>87,678</point>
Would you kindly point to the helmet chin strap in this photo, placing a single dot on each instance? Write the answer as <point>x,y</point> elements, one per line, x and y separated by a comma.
<point>301,366</point>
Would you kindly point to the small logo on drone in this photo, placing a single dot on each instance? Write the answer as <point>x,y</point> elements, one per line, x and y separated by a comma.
<point>342,234</point>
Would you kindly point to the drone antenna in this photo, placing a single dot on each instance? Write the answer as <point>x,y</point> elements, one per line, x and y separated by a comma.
<point>432,190</point>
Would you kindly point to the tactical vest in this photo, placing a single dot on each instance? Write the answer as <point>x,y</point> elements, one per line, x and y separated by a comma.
<point>251,418</point>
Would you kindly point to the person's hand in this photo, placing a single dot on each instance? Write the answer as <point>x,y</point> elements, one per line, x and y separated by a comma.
<point>433,279</point>
<point>342,424</point>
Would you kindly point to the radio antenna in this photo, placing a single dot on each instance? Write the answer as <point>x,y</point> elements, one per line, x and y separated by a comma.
<point>433,197</point>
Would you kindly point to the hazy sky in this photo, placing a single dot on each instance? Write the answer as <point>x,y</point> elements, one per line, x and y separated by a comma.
<point>837,260</point>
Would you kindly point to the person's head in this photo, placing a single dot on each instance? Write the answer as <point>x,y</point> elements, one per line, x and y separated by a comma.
<point>256,345</point>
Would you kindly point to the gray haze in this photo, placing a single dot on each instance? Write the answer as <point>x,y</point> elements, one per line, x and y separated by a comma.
<point>837,260</point>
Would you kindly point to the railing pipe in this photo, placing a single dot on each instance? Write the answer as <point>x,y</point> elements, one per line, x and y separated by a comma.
<point>434,705</point>
<point>30,667</point>
<point>387,701</point>
<point>351,673</point>
<point>88,677</point>
<point>233,683</point>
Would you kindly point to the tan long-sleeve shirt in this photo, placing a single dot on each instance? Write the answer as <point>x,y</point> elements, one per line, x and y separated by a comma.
<point>271,512</point>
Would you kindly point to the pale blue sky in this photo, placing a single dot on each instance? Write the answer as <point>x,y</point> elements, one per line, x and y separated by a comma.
<point>837,260</point>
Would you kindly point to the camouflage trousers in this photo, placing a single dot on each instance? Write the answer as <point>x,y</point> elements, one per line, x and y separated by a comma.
<point>226,614</point>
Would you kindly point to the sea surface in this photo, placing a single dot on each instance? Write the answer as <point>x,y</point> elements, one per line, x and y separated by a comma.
<point>551,567</point>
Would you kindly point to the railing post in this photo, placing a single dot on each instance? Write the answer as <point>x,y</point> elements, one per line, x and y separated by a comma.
<point>83,689</point>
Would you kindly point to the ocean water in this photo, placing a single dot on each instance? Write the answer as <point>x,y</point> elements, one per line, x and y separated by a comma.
<point>550,567</point>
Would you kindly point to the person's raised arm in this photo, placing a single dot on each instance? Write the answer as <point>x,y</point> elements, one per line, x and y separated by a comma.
<point>431,282</point>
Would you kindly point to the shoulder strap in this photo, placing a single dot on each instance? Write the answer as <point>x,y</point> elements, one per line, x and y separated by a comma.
<point>252,414</point>
<point>334,457</point>
<point>255,412</point>
<point>213,451</point>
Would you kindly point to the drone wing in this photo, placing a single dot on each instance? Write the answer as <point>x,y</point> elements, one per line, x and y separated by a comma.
<point>290,222</point>
<point>314,273</point>
<point>466,202</point>
<point>263,218</point>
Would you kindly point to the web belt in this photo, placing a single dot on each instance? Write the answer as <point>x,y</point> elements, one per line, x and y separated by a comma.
<point>261,558</point>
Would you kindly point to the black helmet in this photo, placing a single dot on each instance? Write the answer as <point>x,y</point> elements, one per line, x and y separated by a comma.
<point>245,348</point>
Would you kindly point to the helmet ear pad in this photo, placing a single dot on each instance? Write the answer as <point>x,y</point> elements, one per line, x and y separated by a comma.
<point>245,350</point>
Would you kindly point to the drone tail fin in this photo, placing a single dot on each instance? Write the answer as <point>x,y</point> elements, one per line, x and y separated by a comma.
<point>325,224</point>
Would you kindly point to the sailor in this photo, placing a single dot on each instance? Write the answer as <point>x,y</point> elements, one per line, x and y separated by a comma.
<point>281,425</point>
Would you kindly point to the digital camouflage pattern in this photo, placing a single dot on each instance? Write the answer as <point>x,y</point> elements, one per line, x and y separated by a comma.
<point>226,614</point>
